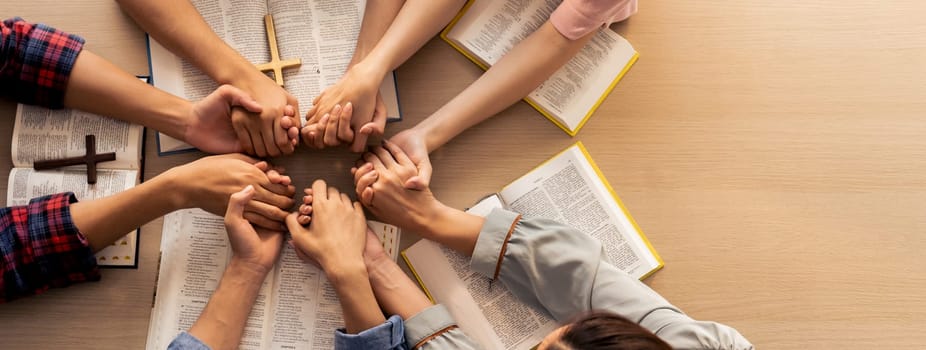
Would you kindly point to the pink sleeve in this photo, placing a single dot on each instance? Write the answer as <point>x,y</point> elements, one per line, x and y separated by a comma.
<point>576,18</point>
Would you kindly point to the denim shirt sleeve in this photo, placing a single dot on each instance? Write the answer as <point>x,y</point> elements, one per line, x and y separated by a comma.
<point>389,335</point>
<point>186,341</point>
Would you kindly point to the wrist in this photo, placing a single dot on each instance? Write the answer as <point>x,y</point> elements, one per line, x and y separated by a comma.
<point>171,182</point>
<point>371,71</point>
<point>247,270</point>
<point>346,273</point>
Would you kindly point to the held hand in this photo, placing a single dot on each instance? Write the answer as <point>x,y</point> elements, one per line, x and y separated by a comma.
<point>210,127</point>
<point>258,248</point>
<point>380,184</point>
<point>263,133</point>
<point>209,182</point>
<point>337,234</point>
<point>359,87</point>
<point>412,142</point>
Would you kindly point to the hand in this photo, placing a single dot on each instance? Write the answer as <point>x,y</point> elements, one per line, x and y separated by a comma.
<point>209,127</point>
<point>373,252</point>
<point>336,237</point>
<point>263,133</point>
<point>359,87</point>
<point>256,248</point>
<point>413,143</point>
<point>380,185</point>
<point>209,182</point>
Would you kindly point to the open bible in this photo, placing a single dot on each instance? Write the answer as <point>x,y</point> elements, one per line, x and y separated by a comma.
<point>485,30</point>
<point>42,134</point>
<point>322,33</point>
<point>297,307</point>
<point>568,188</point>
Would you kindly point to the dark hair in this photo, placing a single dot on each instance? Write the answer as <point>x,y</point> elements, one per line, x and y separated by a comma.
<point>606,330</point>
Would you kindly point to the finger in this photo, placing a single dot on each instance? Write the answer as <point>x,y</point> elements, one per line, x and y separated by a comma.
<point>366,182</point>
<point>333,193</point>
<point>308,135</point>
<point>262,165</point>
<point>421,181</point>
<point>398,154</point>
<point>319,190</point>
<point>331,129</point>
<point>385,157</point>
<point>238,201</point>
<point>274,176</point>
<point>360,142</point>
<point>344,131</point>
<point>320,131</point>
<point>282,202</point>
<point>281,136</point>
<point>345,199</point>
<point>373,159</point>
<point>268,211</point>
<point>293,225</point>
<point>365,169</point>
<point>292,109</point>
<point>304,219</point>
<point>238,123</point>
<point>305,209</point>
<point>239,98</point>
<point>267,129</point>
<point>258,141</point>
<point>260,221</point>
<point>367,197</point>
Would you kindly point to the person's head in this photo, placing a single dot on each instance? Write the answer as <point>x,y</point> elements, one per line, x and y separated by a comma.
<point>602,330</point>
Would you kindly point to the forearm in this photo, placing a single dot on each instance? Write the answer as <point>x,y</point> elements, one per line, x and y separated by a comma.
<point>512,78</point>
<point>361,312</point>
<point>377,18</point>
<point>93,79</point>
<point>177,25</point>
<point>395,292</point>
<point>451,227</point>
<point>223,320</point>
<point>104,220</point>
<point>416,23</point>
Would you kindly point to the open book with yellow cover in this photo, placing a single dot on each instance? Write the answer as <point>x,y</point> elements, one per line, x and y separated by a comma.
<point>485,30</point>
<point>568,188</point>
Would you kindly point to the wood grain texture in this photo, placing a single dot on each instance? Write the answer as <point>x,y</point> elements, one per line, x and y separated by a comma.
<point>771,151</point>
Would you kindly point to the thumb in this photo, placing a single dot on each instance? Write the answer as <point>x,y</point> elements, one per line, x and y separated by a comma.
<point>238,98</point>
<point>421,181</point>
<point>237,202</point>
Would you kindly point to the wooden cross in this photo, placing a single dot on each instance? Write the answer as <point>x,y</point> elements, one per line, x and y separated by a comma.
<point>276,65</point>
<point>90,159</point>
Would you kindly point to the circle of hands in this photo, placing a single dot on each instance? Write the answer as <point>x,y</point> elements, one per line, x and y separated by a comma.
<point>328,229</point>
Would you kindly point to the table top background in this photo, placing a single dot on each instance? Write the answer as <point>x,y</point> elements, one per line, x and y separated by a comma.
<point>771,151</point>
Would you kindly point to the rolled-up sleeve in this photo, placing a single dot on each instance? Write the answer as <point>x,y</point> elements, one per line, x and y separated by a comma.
<point>434,328</point>
<point>565,271</point>
<point>36,62</point>
<point>389,335</point>
<point>186,341</point>
<point>42,248</point>
<point>576,18</point>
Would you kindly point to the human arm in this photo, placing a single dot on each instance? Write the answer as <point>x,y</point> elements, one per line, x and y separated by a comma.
<point>382,46</point>
<point>335,240</point>
<point>178,26</point>
<point>222,322</point>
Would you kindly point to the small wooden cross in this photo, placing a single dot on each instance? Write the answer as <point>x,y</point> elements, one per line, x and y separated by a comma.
<point>90,159</point>
<point>276,65</point>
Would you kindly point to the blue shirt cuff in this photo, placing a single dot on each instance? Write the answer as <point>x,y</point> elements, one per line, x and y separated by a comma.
<point>389,335</point>
<point>185,341</point>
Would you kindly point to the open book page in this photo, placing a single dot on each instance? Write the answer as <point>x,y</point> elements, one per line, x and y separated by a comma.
<point>43,134</point>
<point>297,307</point>
<point>568,189</point>
<point>322,33</point>
<point>489,29</point>
<point>487,312</point>
<point>26,183</point>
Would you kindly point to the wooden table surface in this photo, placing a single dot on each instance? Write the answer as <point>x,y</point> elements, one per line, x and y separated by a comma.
<point>772,151</point>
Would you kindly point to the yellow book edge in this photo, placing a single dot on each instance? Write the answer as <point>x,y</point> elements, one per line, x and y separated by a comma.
<point>417,277</point>
<point>620,203</point>
<point>614,195</point>
<point>444,35</point>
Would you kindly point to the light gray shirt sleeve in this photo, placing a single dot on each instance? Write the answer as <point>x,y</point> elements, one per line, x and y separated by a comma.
<point>565,271</point>
<point>434,328</point>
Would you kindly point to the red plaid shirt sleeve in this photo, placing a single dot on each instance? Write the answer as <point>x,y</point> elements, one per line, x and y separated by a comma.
<point>41,248</point>
<point>36,62</point>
